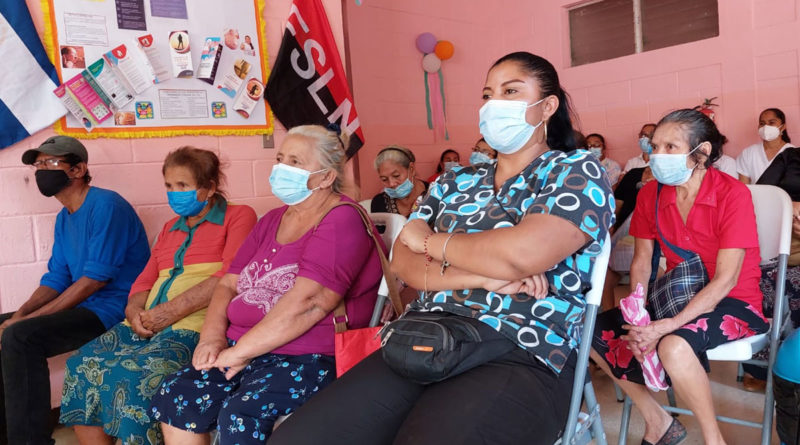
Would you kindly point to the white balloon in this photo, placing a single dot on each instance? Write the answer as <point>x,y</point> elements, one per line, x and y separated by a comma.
<point>431,63</point>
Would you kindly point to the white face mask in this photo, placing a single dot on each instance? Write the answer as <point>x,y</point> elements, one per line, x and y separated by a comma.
<point>769,133</point>
<point>503,124</point>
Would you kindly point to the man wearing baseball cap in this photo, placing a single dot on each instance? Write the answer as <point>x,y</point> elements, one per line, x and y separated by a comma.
<point>100,248</point>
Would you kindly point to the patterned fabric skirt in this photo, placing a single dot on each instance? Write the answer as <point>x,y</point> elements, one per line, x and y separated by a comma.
<point>244,408</point>
<point>110,381</point>
<point>730,320</point>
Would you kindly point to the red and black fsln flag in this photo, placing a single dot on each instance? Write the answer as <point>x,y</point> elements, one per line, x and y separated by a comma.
<point>307,84</point>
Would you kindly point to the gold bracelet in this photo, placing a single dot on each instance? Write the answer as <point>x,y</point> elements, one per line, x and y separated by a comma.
<point>445,263</point>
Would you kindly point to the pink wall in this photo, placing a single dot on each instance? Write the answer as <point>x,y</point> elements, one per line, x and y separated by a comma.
<point>752,65</point>
<point>132,167</point>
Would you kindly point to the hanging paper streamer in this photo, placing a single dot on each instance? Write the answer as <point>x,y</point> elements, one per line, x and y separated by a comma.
<point>435,52</point>
<point>435,105</point>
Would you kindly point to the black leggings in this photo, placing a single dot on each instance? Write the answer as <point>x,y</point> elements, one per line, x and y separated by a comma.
<point>513,399</point>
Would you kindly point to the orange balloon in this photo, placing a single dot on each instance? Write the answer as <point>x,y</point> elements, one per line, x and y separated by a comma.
<point>444,49</point>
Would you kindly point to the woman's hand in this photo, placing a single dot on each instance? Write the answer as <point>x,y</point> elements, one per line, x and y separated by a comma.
<point>230,361</point>
<point>413,235</point>
<point>158,318</point>
<point>536,286</point>
<point>206,352</point>
<point>133,313</point>
<point>644,339</point>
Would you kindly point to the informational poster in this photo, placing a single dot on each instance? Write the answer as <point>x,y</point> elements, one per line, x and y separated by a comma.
<point>160,68</point>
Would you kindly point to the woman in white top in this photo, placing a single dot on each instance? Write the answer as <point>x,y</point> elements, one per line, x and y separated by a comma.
<point>752,162</point>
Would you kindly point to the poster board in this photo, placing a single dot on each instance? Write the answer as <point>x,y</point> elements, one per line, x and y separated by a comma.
<point>192,90</point>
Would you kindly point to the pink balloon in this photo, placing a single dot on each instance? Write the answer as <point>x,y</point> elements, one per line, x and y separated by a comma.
<point>426,42</point>
<point>431,63</point>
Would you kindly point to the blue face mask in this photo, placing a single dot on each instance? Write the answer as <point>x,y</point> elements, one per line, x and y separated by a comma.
<point>185,203</point>
<point>503,124</point>
<point>671,169</point>
<point>290,184</point>
<point>596,151</point>
<point>479,158</point>
<point>644,145</point>
<point>401,191</point>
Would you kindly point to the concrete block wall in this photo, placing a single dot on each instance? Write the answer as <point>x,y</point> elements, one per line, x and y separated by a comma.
<point>752,64</point>
<point>132,167</point>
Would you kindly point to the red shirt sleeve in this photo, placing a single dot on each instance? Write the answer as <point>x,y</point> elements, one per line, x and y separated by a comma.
<point>737,219</point>
<point>239,220</point>
<point>644,214</point>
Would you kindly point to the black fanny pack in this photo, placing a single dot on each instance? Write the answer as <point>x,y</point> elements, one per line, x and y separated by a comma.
<point>428,347</point>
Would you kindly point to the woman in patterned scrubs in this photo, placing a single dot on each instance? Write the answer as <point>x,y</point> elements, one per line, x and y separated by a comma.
<point>540,213</point>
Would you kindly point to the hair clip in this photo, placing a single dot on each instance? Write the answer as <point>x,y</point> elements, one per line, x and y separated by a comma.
<point>334,127</point>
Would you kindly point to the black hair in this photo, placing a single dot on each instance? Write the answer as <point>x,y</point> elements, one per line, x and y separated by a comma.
<point>440,166</point>
<point>73,160</point>
<point>559,126</point>
<point>598,136</point>
<point>699,128</point>
<point>779,113</point>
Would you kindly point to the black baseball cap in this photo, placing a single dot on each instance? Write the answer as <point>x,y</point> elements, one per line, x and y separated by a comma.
<point>57,146</point>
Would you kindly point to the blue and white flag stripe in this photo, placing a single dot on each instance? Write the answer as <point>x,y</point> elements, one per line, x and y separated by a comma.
<point>27,102</point>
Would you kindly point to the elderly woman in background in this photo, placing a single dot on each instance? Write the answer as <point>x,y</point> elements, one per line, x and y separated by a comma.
<point>702,210</point>
<point>267,345</point>
<point>109,382</point>
<point>398,173</point>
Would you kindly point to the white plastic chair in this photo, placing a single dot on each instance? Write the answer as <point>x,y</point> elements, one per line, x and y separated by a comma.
<point>582,388</point>
<point>366,203</point>
<point>773,209</point>
<point>393,223</point>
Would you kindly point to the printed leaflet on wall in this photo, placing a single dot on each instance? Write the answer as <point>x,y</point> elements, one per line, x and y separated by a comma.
<point>88,99</point>
<point>155,57</point>
<point>114,87</point>
<point>249,97</point>
<point>209,60</point>
<point>73,107</point>
<point>131,64</point>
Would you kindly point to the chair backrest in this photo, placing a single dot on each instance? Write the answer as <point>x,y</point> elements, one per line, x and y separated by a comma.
<point>773,209</point>
<point>392,224</point>
<point>595,294</point>
<point>366,203</point>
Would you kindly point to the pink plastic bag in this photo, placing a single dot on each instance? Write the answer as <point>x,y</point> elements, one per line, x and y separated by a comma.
<point>635,314</point>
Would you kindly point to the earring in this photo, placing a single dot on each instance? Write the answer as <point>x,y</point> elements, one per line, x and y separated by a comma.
<point>545,131</point>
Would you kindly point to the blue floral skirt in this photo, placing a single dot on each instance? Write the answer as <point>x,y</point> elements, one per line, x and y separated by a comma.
<point>110,381</point>
<point>244,408</point>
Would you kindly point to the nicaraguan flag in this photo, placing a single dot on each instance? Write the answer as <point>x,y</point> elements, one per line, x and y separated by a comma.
<point>27,102</point>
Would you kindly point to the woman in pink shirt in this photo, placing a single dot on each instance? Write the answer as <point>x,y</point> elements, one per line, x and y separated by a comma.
<point>267,342</point>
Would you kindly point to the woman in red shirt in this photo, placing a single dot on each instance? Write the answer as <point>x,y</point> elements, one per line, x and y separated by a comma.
<point>711,214</point>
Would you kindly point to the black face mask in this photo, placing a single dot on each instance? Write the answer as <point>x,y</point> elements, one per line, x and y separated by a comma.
<point>51,182</point>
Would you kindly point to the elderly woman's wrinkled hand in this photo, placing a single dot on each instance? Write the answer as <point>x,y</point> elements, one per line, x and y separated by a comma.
<point>206,352</point>
<point>413,235</point>
<point>134,316</point>
<point>158,318</point>
<point>230,361</point>
<point>644,339</point>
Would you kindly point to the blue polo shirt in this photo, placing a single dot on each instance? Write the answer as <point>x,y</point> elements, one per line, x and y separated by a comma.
<point>103,240</point>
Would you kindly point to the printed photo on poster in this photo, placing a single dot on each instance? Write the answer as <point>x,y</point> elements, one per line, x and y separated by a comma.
<point>218,110</point>
<point>234,77</point>
<point>72,57</point>
<point>144,110</point>
<point>124,118</point>
<point>247,46</point>
<point>232,38</point>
